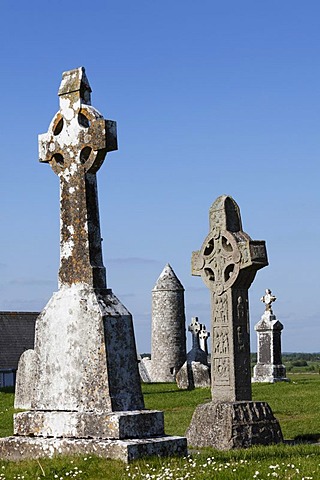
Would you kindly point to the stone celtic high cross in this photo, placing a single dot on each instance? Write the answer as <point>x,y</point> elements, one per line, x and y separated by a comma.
<point>83,323</point>
<point>80,385</point>
<point>75,146</point>
<point>227,263</point>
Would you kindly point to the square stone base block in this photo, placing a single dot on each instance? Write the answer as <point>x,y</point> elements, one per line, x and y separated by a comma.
<point>228,425</point>
<point>269,373</point>
<point>113,425</point>
<point>23,448</point>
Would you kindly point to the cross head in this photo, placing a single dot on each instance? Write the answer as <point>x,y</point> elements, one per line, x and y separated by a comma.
<point>195,328</point>
<point>75,146</point>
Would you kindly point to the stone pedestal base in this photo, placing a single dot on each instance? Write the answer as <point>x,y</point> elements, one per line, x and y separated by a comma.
<point>269,368</point>
<point>114,425</point>
<point>269,373</point>
<point>228,425</point>
<point>85,356</point>
<point>22,448</point>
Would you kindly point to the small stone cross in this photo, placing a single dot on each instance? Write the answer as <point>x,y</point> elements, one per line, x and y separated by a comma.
<point>268,299</point>
<point>75,146</point>
<point>227,262</point>
<point>203,338</point>
<point>195,328</point>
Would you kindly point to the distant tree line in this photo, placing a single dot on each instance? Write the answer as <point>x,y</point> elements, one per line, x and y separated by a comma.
<point>297,362</point>
<point>309,357</point>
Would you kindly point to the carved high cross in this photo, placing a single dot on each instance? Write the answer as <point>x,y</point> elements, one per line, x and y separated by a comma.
<point>228,262</point>
<point>75,146</point>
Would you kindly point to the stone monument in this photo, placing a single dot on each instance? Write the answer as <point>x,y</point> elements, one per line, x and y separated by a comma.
<point>168,336</point>
<point>86,395</point>
<point>228,262</point>
<point>197,354</point>
<point>144,371</point>
<point>195,372</point>
<point>269,368</point>
<point>203,339</point>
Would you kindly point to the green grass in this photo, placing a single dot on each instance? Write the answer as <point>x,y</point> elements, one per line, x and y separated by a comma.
<point>258,463</point>
<point>6,412</point>
<point>295,404</point>
<point>64,468</point>
<point>282,462</point>
<point>178,405</point>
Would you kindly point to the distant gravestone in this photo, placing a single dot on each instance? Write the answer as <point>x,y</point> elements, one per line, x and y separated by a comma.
<point>203,339</point>
<point>195,372</point>
<point>196,354</point>
<point>228,262</point>
<point>143,369</point>
<point>269,368</point>
<point>168,336</point>
<point>24,387</point>
<point>86,391</point>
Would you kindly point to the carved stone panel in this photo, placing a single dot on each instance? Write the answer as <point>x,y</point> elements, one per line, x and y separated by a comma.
<point>220,309</point>
<point>221,371</point>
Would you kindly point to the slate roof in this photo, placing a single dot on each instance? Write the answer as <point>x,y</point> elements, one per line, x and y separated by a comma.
<point>16,336</point>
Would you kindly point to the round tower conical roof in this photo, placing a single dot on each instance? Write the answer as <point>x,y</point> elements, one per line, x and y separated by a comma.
<point>168,280</point>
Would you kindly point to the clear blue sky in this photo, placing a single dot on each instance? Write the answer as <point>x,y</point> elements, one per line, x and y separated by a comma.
<point>211,97</point>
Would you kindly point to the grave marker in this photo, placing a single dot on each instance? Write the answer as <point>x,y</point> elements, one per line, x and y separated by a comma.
<point>195,372</point>
<point>228,262</point>
<point>203,339</point>
<point>269,368</point>
<point>195,328</point>
<point>86,394</point>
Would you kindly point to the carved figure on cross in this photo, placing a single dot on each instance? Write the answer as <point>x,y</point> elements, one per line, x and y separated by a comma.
<point>268,299</point>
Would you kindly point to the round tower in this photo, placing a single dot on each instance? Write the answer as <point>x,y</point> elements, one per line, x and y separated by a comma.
<point>168,342</point>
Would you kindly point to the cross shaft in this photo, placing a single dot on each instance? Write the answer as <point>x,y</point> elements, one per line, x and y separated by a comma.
<point>75,146</point>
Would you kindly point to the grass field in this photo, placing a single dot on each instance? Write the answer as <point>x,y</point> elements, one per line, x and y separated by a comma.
<point>295,404</point>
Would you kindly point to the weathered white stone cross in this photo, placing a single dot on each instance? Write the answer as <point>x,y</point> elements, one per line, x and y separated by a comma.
<point>83,390</point>
<point>268,299</point>
<point>75,146</point>
<point>203,338</point>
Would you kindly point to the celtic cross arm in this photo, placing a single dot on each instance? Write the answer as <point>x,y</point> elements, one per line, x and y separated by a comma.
<point>78,133</point>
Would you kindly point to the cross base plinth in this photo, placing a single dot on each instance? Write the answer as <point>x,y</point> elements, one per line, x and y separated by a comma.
<point>269,373</point>
<point>85,357</point>
<point>23,448</point>
<point>269,368</point>
<point>114,425</point>
<point>229,425</point>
